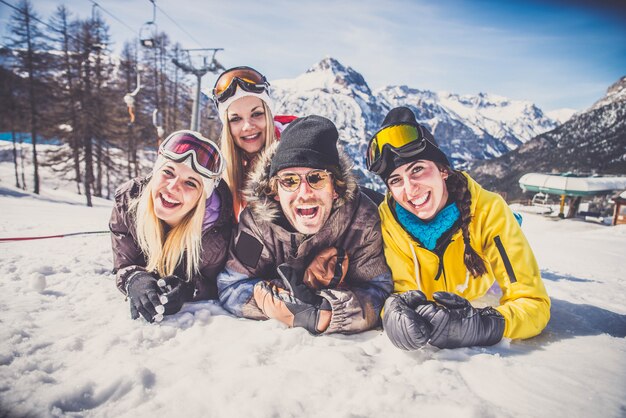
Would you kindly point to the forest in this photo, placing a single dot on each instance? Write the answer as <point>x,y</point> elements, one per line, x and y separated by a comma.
<point>60,82</point>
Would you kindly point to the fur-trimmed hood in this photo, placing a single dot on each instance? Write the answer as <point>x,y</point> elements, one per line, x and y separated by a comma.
<point>265,208</point>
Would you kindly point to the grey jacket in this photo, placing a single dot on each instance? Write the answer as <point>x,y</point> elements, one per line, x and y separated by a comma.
<point>128,257</point>
<point>261,244</point>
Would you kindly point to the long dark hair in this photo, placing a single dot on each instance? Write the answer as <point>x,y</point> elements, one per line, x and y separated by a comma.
<point>458,191</point>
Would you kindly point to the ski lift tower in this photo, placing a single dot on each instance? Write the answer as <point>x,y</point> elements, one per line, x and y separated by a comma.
<point>208,66</point>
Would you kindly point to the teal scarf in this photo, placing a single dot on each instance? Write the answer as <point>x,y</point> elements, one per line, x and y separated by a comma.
<point>428,232</point>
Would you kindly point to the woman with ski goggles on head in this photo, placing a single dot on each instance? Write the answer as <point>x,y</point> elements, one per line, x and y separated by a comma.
<point>241,95</point>
<point>170,230</point>
<point>446,241</point>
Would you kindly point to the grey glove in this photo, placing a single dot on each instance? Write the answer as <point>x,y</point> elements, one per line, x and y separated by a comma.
<point>456,323</point>
<point>405,328</point>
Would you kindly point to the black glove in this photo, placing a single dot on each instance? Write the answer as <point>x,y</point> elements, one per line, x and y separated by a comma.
<point>175,293</point>
<point>305,305</point>
<point>143,291</point>
<point>404,327</point>
<point>456,323</point>
<point>292,280</point>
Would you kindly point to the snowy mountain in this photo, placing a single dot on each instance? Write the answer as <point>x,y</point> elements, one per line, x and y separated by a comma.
<point>471,127</point>
<point>593,141</point>
<point>561,115</point>
<point>467,127</point>
<point>339,93</point>
<point>615,93</point>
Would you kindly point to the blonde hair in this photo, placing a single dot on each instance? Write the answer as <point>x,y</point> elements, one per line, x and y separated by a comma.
<point>235,175</point>
<point>164,252</point>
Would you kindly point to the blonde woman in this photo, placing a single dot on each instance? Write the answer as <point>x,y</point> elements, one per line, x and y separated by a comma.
<point>170,230</point>
<point>241,95</point>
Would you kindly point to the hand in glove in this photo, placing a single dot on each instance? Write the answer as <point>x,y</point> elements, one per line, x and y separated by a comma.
<point>293,281</point>
<point>456,323</point>
<point>404,327</point>
<point>175,293</point>
<point>143,291</point>
<point>280,304</point>
<point>327,270</point>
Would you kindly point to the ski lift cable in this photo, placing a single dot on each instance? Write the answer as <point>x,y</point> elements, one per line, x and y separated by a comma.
<point>113,16</point>
<point>80,41</point>
<point>175,23</point>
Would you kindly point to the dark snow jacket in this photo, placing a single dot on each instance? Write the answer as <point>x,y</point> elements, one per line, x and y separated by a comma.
<point>128,257</point>
<point>353,225</point>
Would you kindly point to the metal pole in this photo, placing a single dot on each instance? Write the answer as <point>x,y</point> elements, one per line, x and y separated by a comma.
<point>195,112</point>
<point>213,67</point>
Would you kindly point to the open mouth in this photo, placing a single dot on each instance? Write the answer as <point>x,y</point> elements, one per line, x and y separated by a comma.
<point>168,202</point>
<point>250,138</point>
<point>307,211</point>
<point>420,201</point>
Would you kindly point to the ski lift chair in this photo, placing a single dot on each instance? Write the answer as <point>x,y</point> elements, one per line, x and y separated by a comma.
<point>147,35</point>
<point>540,199</point>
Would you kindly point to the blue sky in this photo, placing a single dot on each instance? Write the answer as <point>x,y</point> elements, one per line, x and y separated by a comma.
<point>555,53</point>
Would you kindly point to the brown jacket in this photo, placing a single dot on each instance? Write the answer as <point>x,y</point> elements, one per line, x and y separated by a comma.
<point>261,244</point>
<point>128,257</point>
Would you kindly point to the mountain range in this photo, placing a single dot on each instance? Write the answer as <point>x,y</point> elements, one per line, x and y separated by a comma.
<point>592,141</point>
<point>468,128</point>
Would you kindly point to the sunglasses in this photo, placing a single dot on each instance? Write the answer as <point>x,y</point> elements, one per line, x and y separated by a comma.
<point>403,140</point>
<point>246,78</point>
<point>205,155</point>
<point>317,179</point>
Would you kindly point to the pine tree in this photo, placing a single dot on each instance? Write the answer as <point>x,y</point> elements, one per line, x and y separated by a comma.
<point>65,92</point>
<point>11,114</point>
<point>28,42</point>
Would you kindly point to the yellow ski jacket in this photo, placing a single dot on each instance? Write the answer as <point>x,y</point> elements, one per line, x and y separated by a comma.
<point>498,239</point>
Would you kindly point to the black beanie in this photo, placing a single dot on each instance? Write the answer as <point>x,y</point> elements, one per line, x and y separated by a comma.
<point>404,116</point>
<point>311,142</point>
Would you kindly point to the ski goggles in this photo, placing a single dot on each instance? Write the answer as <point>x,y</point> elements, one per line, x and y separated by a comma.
<point>206,157</point>
<point>403,140</point>
<point>317,179</point>
<point>246,78</point>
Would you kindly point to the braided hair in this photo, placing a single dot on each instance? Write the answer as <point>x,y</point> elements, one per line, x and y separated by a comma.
<point>458,191</point>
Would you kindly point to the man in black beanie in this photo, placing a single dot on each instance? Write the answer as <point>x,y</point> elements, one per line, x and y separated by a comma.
<point>308,249</point>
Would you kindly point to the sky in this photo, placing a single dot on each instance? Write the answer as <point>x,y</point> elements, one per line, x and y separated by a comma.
<point>555,53</point>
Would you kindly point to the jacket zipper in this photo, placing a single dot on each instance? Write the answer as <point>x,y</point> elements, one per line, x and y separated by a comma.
<point>505,259</point>
<point>294,246</point>
<point>441,271</point>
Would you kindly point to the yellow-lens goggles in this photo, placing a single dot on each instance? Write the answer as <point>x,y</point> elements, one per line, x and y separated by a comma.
<point>395,136</point>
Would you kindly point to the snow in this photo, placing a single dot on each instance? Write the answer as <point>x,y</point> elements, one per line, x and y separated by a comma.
<point>69,348</point>
<point>561,115</point>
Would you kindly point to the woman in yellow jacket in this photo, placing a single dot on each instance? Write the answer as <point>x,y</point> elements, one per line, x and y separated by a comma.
<point>446,241</point>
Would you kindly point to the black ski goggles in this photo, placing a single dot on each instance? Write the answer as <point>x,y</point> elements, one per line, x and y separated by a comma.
<point>406,141</point>
<point>246,78</point>
<point>205,155</point>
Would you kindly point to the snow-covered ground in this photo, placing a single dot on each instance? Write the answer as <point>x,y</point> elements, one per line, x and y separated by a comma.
<point>69,348</point>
